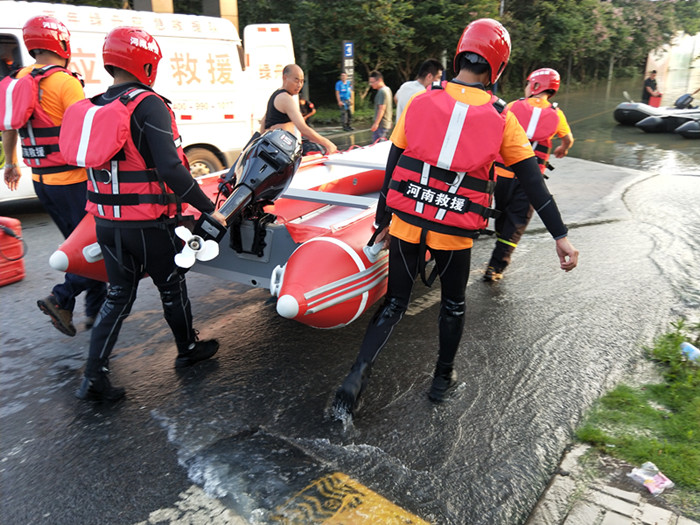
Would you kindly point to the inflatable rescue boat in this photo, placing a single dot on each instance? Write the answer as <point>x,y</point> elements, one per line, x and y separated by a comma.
<point>662,119</point>
<point>307,247</point>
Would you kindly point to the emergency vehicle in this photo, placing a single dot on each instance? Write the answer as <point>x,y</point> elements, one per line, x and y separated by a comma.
<point>218,89</point>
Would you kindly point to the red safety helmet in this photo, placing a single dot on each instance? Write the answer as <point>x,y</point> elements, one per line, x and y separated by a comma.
<point>488,39</point>
<point>544,79</point>
<point>134,51</point>
<point>47,32</point>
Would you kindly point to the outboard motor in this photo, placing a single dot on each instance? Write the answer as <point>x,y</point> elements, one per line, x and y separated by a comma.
<point>683,102</point>
<point>263,171</point>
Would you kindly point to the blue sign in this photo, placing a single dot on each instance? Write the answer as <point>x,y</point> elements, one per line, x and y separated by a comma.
<point>348,50</point>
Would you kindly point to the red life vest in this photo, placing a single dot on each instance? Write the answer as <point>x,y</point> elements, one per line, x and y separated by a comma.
<point>20,109</point>
<point>444,180</point>
<point>121,187</point>
<point>540,125</point>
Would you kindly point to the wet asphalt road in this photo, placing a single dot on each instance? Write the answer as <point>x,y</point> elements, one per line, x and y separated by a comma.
<point>251,426</point>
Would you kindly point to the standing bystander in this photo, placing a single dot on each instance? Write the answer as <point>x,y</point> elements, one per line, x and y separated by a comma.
<point>430,71</point>
<point>383,104</point>
<point>650,88</point>
<point>344,95</point>
<point>307,108</point>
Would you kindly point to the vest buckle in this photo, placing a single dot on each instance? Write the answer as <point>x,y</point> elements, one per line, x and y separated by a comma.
<point>103,176</point>
<point>459,177</point>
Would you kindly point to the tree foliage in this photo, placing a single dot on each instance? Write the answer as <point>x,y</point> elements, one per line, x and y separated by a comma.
<point>582,39</point>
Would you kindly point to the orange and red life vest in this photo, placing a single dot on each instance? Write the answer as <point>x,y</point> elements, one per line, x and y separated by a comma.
<point>540,125</point>
<point>120,185</point>
<point>444,180</point>
<point>20,109</point>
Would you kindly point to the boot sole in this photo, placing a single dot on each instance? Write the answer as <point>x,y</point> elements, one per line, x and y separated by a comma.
<point>49,309</point>
<point>98,398</point>
<point>439,397</point>
<point>184,362</point>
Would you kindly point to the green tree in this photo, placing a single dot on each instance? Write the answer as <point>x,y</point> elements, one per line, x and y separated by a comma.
<point>436,27</point>
<point>687,14</point>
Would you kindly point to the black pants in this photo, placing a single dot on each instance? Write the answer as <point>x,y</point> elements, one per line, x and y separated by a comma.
<point>516,213</point>
<point>346,114</point>
<point>453,270</point>
<point>65,203</point>
<point>129,254</point>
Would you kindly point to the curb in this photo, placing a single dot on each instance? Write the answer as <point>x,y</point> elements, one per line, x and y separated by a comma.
<point>574,498</point>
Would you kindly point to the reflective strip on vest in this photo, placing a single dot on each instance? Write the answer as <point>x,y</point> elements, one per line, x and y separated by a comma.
<point>534,120</point>
<point>447,153</point>
<point>32,139</point>
<point>452,135</point>
<point>424,177</point>
<point>91,174</point>
<point>8,104</point>
<point>85,135</point>
<point>116,209</point>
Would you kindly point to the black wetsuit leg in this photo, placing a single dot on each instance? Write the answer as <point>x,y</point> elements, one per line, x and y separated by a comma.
<point>147,250</point>
<point>453,268</point>
<point>403,269</point>
<point>516,213</point>
<point>124,272</point>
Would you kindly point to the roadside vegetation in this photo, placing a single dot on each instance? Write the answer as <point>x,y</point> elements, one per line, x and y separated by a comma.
<point>584,40</point>
<point>660,422</point>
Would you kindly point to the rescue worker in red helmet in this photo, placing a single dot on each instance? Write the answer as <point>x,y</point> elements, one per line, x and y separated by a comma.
<point>135,191</point>
<point>437,186</point>
<point>542,121</point>
<point>40,95</point>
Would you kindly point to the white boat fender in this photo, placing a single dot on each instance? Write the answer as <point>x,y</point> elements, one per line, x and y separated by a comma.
<point>59,260</point>
<point>276,280</point>
<point>287,306</point>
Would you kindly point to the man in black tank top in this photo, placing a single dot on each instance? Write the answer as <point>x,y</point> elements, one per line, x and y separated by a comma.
<point>283,110</point>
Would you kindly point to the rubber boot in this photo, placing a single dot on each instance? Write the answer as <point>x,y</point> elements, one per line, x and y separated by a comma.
<point>444,379</point>
<point>193,352</point>
<point>347,397</point>
<point>96,385</point>
<point>99,389</point>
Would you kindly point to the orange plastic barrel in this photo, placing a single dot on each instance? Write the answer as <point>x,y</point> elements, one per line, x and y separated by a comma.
<point>11,251</point>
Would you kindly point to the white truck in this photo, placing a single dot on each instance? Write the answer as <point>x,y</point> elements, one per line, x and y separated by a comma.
<point>218,89</point>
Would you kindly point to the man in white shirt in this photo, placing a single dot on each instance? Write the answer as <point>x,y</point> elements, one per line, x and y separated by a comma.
<point>430,71</point>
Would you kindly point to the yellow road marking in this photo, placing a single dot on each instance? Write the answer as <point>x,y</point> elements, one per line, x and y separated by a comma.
<point>337,499</point>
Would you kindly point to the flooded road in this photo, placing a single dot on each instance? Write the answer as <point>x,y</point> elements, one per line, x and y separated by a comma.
<point>251,427</point>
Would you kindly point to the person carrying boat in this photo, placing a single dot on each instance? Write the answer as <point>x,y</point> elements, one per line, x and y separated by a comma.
<point>40,95</point>
<point>138,180</point>
<point>283,110</point>
<point>438,184</point>
<point>542,121</point>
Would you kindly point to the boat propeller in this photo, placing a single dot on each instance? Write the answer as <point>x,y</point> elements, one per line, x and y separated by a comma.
<point>263,171</point>
<point>196,248</point>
